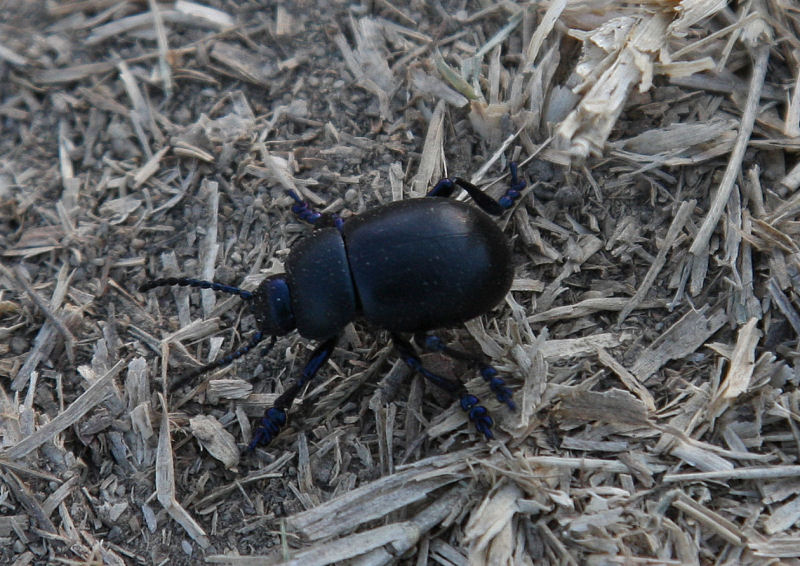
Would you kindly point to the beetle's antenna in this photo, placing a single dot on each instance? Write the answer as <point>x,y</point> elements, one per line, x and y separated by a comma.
<point>230,289</point>
<point>225,360</point>
<point>189,282</point>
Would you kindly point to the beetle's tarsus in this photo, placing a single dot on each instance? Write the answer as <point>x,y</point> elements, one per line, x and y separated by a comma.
<point>478,415</point>
<point>303,210</point>
<point>269,427</point>
<point>498,386</point>
<point>306,213</point>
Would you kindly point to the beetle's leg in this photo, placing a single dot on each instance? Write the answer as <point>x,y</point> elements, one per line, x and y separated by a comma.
<point>225,360</point>
<point>515,187</point>
<point>274,418</point>
<point>445,188</point>
<point>433,343</point>
<point>219,287</point>
<point>303,210</point>
<point>306,213</point>
<point>476,412</point>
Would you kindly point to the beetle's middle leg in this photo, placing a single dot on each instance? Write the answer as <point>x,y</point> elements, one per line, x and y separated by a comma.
<point>476,412</point>
<point>274,418</point>
<point>433,343</point>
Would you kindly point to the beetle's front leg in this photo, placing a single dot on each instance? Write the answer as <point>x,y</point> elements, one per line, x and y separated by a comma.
<point>476,412</point>
<point>223,361</point>
<point>274,418</point>
<point>433,343</point>
<point>304,211</point>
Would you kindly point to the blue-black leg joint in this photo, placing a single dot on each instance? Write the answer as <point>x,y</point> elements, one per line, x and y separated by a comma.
<point>478,414</point>
<point>515,188</point>
<point>443,188</point>
<point>306,213</point>
<point>269,426</point>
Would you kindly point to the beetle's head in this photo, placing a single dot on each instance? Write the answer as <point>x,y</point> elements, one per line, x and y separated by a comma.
<point>271,305</point>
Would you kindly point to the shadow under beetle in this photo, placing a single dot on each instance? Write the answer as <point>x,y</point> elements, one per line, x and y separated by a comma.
<point>407,267</point>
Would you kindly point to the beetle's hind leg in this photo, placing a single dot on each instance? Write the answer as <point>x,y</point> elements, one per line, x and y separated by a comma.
<point>446,187</point>
<point>274,418</point>
<point>476,412</point>
<point>433,343</point>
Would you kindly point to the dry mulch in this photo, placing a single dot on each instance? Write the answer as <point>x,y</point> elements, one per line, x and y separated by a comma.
<point>650,337</point>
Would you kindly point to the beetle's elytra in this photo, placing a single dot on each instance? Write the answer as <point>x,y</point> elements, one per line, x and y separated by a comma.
<point>407,267</point>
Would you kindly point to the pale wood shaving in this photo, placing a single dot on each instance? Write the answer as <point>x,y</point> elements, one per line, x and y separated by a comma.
<point>212,15</point>
<point>95,394</point>
<point>627,378</point>
<point>734,164</point>
<point>431,163</point>
<point>685,336</point>
<point>634,44</point>
<point>363,504</point>
<point>165,484</point>
<point>220,443</point>
<point>740,372</point>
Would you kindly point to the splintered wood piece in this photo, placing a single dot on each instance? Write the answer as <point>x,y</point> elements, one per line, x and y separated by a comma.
<point>682,338</point>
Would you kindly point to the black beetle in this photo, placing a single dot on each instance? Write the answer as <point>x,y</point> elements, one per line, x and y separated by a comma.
<point>407,267</point>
